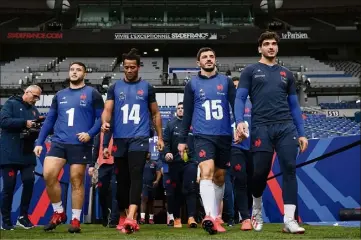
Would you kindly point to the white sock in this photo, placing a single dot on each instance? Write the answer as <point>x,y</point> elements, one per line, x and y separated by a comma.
<point>219,191</point>
<point>257,202</point>
<point>75,214</point>
<point>208,195</point>
<point>170,216</point>
<point>151,216</point>
<point>142,215</point>
<point>289,212</point>
<point>58,207</point>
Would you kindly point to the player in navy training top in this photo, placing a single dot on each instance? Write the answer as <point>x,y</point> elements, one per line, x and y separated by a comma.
<point>207,100</point>
<point>242,169</point>
<point>151,178</point>
<point>131,105</point>
<point>182,172</point>
<point>277,125</point>
<point>75,117</point>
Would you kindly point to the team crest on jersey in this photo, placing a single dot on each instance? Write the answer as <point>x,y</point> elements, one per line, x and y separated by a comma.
<point>202,95</point>
<point>220,89</point>
<point>83,100</point>
<point>283,77</point>
<point>122,96</point>
<point>34,113</point>
<point>140,94</point>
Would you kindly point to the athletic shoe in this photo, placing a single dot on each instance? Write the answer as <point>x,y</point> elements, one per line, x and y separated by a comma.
<point>56,219</point>
<point>209,225</point>
<point>74,226</point>
<point>291,226</point>
<point>246,225</point>
<point>24,222</point>
<point>257,220</point>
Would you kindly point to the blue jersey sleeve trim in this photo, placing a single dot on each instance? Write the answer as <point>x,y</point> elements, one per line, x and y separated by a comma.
<point>240,104</point>
<point>49,122</point>
<point>296,114</point>
<point>47,127</point>
<point>110,93</point>
<point>98,106</point>
<point>188,105</point>
<point>231,94</point>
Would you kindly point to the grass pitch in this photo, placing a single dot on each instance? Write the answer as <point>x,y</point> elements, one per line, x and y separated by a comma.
<point>270,231</point>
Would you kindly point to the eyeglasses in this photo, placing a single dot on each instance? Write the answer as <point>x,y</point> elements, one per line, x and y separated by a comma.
<point>36,97</point>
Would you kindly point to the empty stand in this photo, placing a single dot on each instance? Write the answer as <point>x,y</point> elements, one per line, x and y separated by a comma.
<point>348,67</point>
<point>23,69</point>
<point>320,126</point>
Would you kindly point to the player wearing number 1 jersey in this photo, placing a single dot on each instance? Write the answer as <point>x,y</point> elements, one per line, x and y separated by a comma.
<point>130,106</point>
<point>75,117</point>
<point>207,101</point>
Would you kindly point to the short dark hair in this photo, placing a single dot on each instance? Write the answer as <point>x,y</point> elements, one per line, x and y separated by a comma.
<point>78,63</point>
<point>180,103</point>
<point>267,36</point>
<point>132,55</point>
<point>235,79</point>
<point>204,49</point>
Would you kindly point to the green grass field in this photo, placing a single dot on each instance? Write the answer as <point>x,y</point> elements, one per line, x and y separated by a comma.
<point>270,231</point>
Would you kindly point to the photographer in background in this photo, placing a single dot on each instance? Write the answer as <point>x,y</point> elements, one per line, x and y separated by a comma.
<point>20,125</point>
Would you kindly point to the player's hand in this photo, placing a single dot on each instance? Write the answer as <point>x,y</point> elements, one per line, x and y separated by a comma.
<point>160,144</point>
<point>155,183</point>
<point>106,153</point>
<point>241,132</point>
<point>38,150</point>
<point>91,171</point>
<point>29,123</point>
<point>83,137</point>
<point>105,127</point>
<point>181,149</point>
<point>303,143</point>
<point>169,157</point>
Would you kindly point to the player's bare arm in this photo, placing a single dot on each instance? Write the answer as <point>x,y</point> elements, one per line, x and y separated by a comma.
<point>154,109</point>
<point>107,115</point>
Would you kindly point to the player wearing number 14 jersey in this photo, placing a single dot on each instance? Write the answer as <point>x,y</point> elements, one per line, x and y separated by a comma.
<point>75,117</point>
<point>130,106</point>
<point>207,101</point>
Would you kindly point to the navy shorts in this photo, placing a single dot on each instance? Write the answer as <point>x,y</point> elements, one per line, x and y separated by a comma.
<point>217,148</point>
<point>72,153</point>
<point>121,146</point>
<point>268,138</point>
<point>149,192</point>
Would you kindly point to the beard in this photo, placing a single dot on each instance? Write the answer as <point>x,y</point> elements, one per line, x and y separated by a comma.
<point>77,82</point>
<point>208,69</point>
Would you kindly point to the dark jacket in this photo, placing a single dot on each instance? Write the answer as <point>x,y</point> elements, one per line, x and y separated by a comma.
<point>13,117</point>
<point>171,140</point>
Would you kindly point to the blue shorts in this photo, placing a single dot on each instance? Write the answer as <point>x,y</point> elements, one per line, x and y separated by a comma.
<point>268,138</point>
<point>73,154</point>
<point>121,146</point>
<point>148,192</point>
<point>217,148</point>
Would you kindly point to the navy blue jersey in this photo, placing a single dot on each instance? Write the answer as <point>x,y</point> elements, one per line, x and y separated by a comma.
<point>207,104</point>
<point>246,143</point>
<point>150,172</point>
<point>268,88</point>
<point>73,111</point>
<point>131,114</point>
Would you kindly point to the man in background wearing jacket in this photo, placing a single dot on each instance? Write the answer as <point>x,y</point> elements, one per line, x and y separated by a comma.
<point>16,153</point>
<point>182,172</point>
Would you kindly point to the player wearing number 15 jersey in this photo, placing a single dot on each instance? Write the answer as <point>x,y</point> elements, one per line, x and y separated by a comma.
<point>75,117</point>
<point>130,106</point>
<point>207,101</point>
